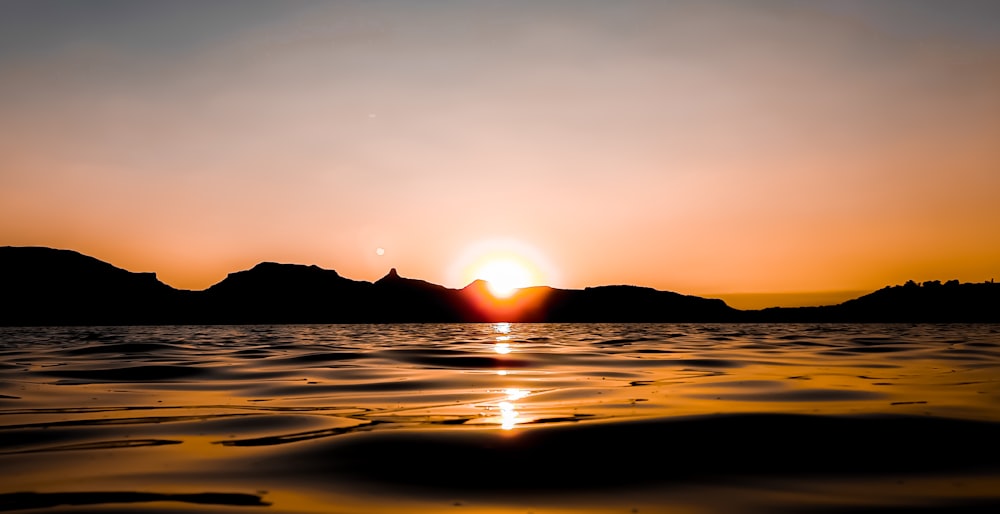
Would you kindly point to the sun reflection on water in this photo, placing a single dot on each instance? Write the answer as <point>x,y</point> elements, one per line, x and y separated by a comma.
<point>506,414</point>
<point>509,416</point>
<point>515,394</point>
<point>502,345</point>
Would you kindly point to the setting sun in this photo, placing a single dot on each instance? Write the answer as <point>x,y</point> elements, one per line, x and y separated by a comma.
<point>504,276</point>
<point>505,264</point>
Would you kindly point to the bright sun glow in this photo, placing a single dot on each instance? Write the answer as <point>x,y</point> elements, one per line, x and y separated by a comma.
<point>504,276</point>
<point>505,264</point>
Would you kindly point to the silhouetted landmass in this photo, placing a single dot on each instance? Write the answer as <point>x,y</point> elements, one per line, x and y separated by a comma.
<point>280,293</point>
<point>45,286</point>
<point>931,301</point>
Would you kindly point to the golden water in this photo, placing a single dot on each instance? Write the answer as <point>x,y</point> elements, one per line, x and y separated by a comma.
<point>484,418</point>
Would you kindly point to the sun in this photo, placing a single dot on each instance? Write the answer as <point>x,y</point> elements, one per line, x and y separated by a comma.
<point>504,276</point>
<point>506,264</point>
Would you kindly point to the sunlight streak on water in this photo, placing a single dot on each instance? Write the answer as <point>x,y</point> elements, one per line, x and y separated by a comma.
<point>508,416</point>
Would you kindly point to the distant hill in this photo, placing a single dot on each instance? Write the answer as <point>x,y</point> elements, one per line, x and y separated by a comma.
<point>911,302</point>
<point>44,286</point>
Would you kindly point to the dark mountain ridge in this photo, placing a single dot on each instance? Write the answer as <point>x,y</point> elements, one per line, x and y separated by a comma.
<point>45,286</point>
<point>931,302</point>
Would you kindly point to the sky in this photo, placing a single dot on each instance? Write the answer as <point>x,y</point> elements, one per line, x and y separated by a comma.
<point>788,151</point>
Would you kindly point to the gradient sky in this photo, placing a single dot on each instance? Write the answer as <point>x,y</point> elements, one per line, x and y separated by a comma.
<point>703,147</point>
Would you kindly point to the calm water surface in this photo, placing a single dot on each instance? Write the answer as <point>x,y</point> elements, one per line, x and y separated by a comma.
<point>489,418</point>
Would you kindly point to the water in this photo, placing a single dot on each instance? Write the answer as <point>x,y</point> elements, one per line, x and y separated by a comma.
<point>490,418</point>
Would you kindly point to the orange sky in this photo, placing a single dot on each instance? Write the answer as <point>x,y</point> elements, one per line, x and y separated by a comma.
<point>700,147</point>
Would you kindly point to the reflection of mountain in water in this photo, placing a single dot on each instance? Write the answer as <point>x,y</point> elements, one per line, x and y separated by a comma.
<point>44,286</point>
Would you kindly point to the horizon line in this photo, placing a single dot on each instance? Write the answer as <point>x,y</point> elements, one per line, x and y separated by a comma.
<point>749,300</point>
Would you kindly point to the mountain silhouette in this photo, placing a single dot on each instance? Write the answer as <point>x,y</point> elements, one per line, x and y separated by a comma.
<point>281,293</point>
<point>929,302</point>
<point>45,286</point>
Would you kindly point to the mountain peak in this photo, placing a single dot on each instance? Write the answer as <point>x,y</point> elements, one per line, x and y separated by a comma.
<point>477,284</point>
<point>392,276</point>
